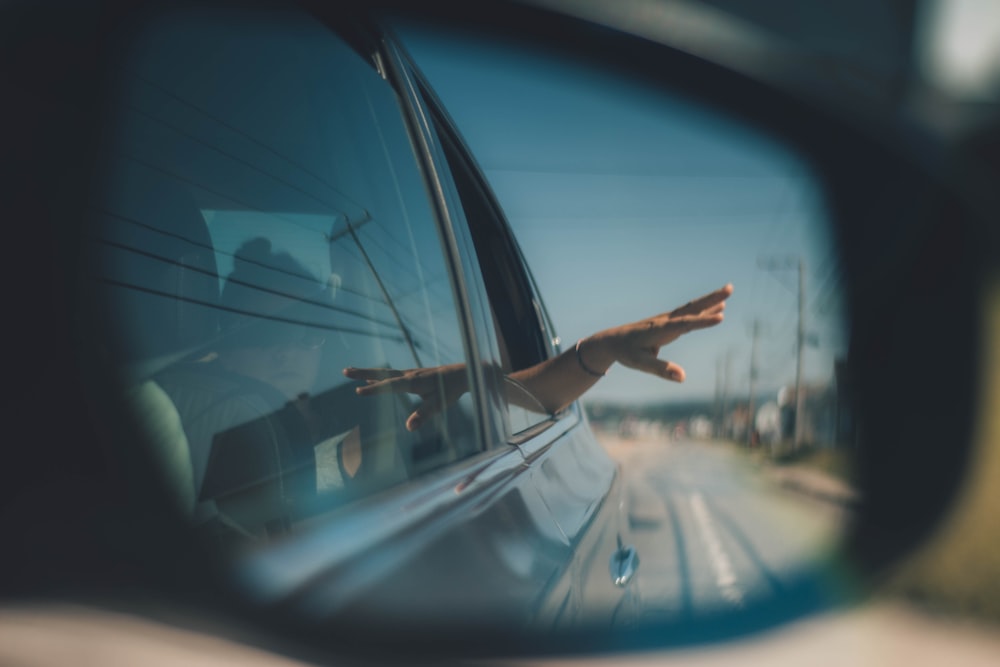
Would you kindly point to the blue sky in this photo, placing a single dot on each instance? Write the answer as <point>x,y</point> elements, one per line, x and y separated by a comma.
<point>628,203</point>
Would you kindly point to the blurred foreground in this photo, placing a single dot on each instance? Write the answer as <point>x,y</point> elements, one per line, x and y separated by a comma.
<point>713,526</point>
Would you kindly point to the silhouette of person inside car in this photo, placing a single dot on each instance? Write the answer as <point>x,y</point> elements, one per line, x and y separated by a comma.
<point>268,336</point>
<point>245,405</point>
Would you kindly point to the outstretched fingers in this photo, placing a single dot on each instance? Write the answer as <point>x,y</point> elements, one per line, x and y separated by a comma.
<point>714,310</point>
<point>710,300</point>
<point>370,374</point>
<point>430,407</point>
<point>664,369</point>
<point>379,380</point>
<point>383,387</point>
<point>703,321</point>
<point>677,326</point>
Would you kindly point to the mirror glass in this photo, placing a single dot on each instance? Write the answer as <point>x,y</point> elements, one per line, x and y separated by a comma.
<point>269,250</point>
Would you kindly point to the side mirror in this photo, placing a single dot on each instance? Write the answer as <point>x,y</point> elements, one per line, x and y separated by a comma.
<point>527,540</point>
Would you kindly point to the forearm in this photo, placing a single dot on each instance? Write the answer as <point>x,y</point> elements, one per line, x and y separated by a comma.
<point>559,381</point>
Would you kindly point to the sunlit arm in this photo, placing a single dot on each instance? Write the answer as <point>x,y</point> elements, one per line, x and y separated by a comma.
<point>559,381</point>
<point>555,383</point>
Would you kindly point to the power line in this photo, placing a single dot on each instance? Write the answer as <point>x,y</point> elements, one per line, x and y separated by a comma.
<point>239,311</point>
<point>206,246</point>
<point>244,283</point>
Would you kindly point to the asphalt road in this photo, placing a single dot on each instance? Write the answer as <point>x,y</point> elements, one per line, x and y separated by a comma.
<point>712,531</point>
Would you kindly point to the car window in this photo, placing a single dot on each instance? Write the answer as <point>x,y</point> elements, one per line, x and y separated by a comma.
<point>266,226</point>
<point>520,331</point>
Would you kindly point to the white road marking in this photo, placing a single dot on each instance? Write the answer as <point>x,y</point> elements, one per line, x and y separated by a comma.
<point>725,579</point>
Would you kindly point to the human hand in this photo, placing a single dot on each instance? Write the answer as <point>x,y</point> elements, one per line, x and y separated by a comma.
<point>438,387</point>
<point>637,345</point>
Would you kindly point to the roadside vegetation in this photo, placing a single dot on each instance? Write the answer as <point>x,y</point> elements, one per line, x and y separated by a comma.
<point>833,461</point>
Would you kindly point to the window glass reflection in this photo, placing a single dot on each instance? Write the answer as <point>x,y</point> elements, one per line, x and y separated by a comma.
<point>265,226</point>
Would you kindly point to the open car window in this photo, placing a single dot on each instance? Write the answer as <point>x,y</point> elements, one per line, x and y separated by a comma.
<point>519,325</point>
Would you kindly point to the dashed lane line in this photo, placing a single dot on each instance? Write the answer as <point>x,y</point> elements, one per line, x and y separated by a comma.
<point>722,567</point>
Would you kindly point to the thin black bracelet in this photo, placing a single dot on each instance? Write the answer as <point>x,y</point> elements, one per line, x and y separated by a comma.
<point>579,358</point>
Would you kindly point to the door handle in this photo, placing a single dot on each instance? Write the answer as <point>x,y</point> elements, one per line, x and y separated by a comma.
<point>624,564</point>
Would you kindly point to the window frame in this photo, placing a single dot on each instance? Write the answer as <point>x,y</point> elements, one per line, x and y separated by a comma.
<point>483,381</point>
<point>435,121</point>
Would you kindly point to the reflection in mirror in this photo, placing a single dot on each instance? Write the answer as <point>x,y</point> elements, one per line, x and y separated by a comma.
<point>627,202</point>
<point>365,436</point>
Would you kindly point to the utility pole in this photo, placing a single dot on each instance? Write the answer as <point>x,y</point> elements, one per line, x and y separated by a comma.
<point>718,397</point>
<point>800,338</point>
<point>800,399</point>
<point>727,366</point>
<point>753,381</point>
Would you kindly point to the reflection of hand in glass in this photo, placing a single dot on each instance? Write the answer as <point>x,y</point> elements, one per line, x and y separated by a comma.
<point>439,387</point>
<point>559,381</point>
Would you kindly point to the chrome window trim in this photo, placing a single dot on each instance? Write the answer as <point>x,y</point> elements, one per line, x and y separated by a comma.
<point>527,440</point>
<point>497,420</point>
<point>531,441</point>
<point>548,338</point>
<point>417,126</point>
